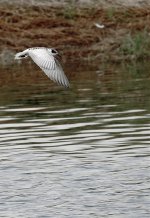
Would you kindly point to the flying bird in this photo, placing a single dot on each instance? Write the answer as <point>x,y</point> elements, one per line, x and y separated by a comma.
<point>48,60</point>
<point>100,26</point>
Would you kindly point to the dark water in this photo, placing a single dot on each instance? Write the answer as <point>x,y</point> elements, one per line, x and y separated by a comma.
<point>79,152</point>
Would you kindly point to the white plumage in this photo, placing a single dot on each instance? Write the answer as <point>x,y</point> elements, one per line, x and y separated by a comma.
<point>47,60</point>
<point>100,26</point>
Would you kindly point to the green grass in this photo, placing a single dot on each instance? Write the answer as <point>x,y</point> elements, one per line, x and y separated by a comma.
<point>70,12</point>
<point>110,12</point>
<point>137,45</point>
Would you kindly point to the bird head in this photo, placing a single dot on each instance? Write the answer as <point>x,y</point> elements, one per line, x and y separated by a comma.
<point>55,53</point>
<point>21,55</point>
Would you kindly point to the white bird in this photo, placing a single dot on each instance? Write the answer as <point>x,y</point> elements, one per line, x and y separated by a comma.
<point>101,26</point>
<point>48,60</point>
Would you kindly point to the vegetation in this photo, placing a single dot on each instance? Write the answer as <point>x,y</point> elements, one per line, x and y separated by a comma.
<point>125,34</point>
<point>70,12</point>
<point>137,46</point>
<point>110,12</point>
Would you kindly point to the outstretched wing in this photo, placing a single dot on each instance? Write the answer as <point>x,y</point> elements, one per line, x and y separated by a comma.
<point>50,65</point>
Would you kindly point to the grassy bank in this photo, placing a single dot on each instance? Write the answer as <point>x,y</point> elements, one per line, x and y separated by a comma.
<point>72,30</point>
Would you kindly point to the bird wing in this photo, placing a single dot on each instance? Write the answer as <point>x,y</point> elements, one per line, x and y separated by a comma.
<point>50,65</point>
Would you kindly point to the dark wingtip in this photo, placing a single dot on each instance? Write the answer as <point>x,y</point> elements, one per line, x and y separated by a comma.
<point>66,86</point>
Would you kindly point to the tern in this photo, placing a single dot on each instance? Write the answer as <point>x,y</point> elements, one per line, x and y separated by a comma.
<point>101,26</point>
<point>48,60</point>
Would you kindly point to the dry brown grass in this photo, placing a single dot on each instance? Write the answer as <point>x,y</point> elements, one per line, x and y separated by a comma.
<point>74,33</point>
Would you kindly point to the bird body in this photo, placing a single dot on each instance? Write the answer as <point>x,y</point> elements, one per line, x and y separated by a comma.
<point>48,60</point>
<point>100,26</point>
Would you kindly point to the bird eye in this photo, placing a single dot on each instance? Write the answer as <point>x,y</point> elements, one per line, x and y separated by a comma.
<point>53,51</point>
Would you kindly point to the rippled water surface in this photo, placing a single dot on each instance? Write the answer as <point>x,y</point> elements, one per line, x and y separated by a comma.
<point>79,152</point>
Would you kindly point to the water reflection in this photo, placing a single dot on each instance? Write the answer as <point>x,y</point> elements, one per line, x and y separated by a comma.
<point>79,152</point>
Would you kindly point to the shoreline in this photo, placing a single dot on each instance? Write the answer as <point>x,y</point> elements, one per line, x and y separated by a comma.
<point>73,31</point>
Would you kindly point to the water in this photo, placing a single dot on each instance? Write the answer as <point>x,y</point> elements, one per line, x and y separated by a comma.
<point>80,152</point>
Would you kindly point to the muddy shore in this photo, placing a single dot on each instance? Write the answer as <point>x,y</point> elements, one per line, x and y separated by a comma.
<point>73,30</point>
